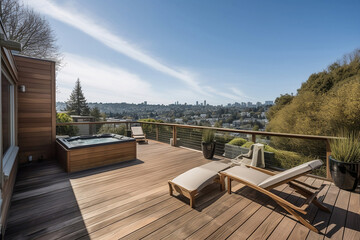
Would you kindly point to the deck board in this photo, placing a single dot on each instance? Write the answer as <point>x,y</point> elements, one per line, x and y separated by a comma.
<point>130,200</point>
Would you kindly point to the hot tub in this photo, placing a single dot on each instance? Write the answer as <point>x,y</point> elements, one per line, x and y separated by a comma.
<point>85,152</point>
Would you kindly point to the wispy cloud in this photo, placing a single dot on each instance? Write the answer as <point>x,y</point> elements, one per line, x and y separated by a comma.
<point>70,15</point>
<point>117,85</point>
<point>240,94</point>
<point>87,25</point>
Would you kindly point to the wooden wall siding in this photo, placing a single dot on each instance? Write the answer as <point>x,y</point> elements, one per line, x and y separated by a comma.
<point>36,109</point>
<point>74,160</point>
<point>7,194</point>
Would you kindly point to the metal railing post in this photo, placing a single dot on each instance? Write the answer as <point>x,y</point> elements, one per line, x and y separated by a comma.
<point>174,136</point>
<point>157,132</point>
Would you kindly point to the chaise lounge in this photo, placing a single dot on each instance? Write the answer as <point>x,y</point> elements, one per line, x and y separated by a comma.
<point>138,134</point>
<point>192,181</point>
<point>263,181</point>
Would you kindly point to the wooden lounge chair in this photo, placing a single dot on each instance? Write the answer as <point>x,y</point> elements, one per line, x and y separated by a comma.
<point>138,134</point>
<point>192,181</point>
<point>263,181</point>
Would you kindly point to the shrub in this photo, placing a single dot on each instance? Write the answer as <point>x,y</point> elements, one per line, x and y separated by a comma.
<point>247,144</point>
<point>65,130</point>
<point>109,128</point>
<point>237,141</point>
<point>287,159</point>
<point>148,128</point>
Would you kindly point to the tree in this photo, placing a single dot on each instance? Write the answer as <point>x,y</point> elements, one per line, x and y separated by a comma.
<point>280,102</point>
<point>95,112</point>
<point>218,124</point>
<point>77,105</point>
<point>24,25</point>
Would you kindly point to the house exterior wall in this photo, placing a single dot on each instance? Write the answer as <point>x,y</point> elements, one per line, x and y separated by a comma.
<point>36,109</point>
<point>8,173</point>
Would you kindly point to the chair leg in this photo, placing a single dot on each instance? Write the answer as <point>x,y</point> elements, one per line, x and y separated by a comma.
<point>222,182</point>
<point>320,205</point>
<point>229,184</point>
<point>170,189</point>
<point>192,201</point>
<point>298,217</point>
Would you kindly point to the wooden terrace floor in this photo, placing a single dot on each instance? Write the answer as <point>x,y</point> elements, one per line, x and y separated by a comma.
<point>131,201</point>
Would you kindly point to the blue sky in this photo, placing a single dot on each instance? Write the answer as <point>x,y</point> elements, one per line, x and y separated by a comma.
<point>164,51</point>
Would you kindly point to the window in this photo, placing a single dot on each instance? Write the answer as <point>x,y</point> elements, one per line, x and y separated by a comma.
<point>6,113</point>
<point>9,151</point>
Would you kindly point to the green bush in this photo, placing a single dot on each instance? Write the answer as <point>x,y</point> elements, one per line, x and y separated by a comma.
<point>237,141</point>
<point>247,144</point>
<point>65,130</point>
<point>109,128</point>
<point>287,159</point>
<point>148,128</point>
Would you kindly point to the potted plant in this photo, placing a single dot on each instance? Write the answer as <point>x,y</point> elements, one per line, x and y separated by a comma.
<point>345,160</point>
<point>208,143</point>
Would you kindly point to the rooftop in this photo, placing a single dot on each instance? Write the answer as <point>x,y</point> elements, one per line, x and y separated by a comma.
<point>130,200</point>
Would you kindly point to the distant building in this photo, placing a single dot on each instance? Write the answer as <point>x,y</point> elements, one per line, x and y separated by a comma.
<point>226,125</point>
<point>258,104</point>
<point>269,102</point>
<point>197,103</point>
<point>204,102</point>
<point>236,123</point>
<point>203,115</point>
<point>178,120</point>
<point>249,104</point>
<point>245,114</point>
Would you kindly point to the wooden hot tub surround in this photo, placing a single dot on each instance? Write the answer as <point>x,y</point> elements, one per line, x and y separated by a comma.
<point>77,159</point>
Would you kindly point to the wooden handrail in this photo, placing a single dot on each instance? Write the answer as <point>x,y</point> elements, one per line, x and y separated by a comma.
<point>253,133</point>
<point>274,134</point>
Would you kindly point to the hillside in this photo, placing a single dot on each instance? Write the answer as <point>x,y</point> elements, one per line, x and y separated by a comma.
<point>326,102</point>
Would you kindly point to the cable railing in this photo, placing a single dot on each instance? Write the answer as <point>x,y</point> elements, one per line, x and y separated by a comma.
<point>190,136</point>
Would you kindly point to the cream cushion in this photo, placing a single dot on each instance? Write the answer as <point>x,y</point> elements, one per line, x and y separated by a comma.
<point>292,172</point>
<point>199,177</point>
<point>137,131</point>
<point>264,180</point>
<point>248,174</point>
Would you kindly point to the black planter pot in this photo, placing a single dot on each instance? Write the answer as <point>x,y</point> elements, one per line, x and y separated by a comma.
<point>345,175</point>
<point>128,133</point>
<point>208,149</point>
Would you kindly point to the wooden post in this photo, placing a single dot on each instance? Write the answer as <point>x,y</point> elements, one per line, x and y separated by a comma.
<point>328,153</point>
<point>253,138</point>
<point>174,136</point>
<point>157,132</point>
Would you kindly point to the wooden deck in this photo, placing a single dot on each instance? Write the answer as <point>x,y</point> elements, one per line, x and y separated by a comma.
<point>131,201</point>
